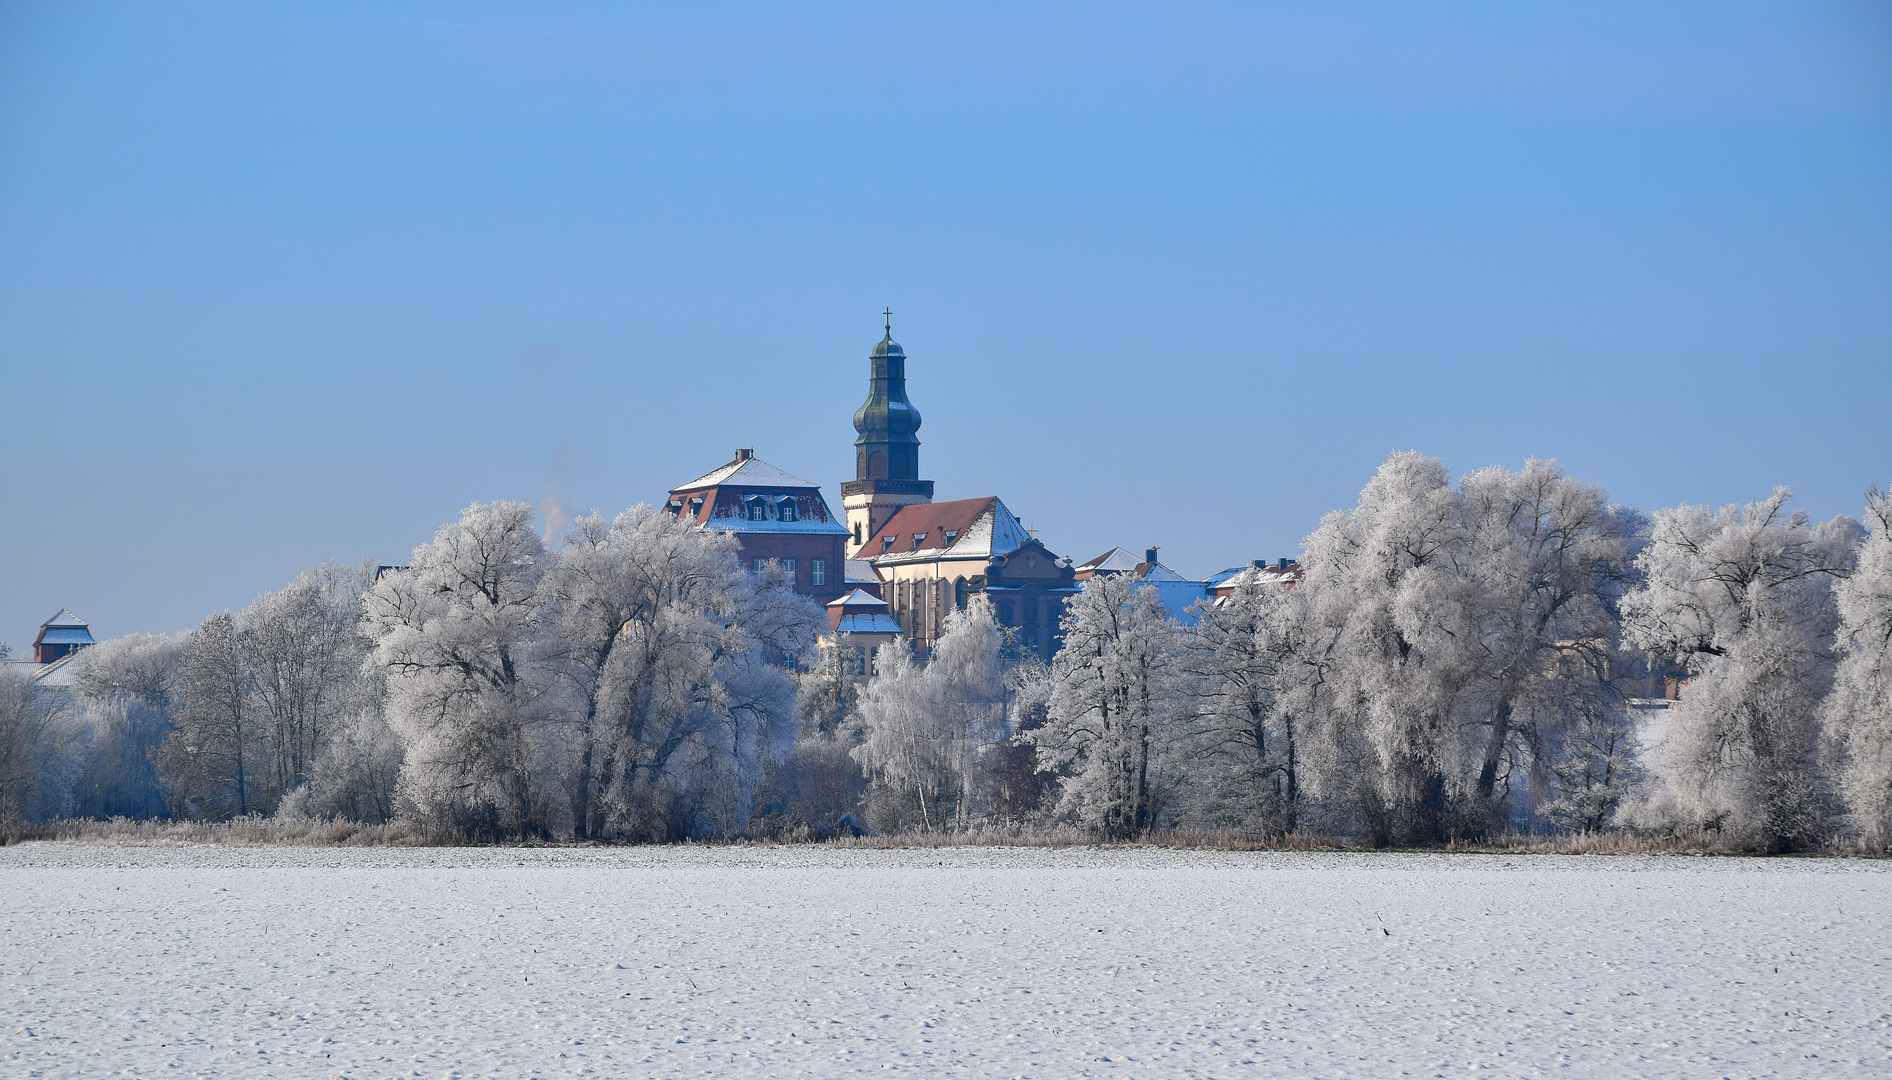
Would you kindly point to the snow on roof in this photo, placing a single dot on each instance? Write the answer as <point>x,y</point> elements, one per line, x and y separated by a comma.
<point>1218,578</point>
<point>877,623</point>
<point>1253,576</point>
<point>747,472</point>
<point>863,571</point>
<point>65,635</point>
<point>960,529</point>
<point>858,598</point>
<point>64,628</point>
<point>805,526</point>
<point>59,673</point>
<point>1116,560</point>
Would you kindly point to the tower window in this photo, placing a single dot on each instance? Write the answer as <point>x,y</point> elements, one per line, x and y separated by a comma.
<point>876,464</point>
<point>817,571</point>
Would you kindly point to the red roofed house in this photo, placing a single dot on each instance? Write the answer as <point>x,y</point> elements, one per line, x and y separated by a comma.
<point>773,516</point>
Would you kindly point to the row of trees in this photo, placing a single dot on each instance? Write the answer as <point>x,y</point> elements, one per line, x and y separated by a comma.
<point>1457,659</point>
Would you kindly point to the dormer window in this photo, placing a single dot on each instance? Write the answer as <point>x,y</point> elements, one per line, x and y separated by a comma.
<point>786,508</point>
<point>952,535</point>
<point>757,508</point>
<point>918,539</point>
<point>696,506</point>
<point>886,542</point>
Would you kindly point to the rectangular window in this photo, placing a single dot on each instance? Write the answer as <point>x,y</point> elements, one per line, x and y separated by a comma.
<point>817,571</point>
<point>756,566</point>
<point>788,567</point>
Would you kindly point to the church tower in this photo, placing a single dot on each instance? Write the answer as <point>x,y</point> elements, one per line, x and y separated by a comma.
<point>887,451</point>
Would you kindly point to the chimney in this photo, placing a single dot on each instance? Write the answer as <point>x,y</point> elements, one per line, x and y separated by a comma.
<point>1259,564</point>
<point>1149,556</point>
<point>745,454</point>
<point>1284,563</point>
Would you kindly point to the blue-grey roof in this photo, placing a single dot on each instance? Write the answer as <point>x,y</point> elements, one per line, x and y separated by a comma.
<point>66,635</point>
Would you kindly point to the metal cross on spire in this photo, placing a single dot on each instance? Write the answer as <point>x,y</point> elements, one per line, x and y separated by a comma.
<point>889,314</point>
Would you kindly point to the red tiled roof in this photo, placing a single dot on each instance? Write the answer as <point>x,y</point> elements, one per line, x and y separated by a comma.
<point>935,520</point>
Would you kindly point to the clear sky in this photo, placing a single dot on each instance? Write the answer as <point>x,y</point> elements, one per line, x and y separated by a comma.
<point>285,283</point>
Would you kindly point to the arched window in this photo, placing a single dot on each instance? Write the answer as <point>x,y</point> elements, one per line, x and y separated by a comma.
<point>1030,634</point>
<point>786,508</point>
<point>1031,608</point>
<point>876,464</point>
<point>960,593</point>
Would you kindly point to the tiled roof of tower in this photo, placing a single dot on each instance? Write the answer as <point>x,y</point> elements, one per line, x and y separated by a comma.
<point>747,472</point>
<point>963,528</point>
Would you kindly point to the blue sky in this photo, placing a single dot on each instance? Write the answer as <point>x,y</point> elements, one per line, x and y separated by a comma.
<point>284,283</point>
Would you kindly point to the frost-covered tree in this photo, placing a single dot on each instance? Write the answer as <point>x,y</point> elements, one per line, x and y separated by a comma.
<point>459,635</point>
<point>305,653</point>
<point>127,691</point>
<point>662,647</point>
<point>930,729</point>
<point>213,763</point>
<point>1859,711</point>
<point>1744,596</point>
<point>1247,652</point>
<point>28,746</point>
<point>1116,709</point>
<point>1460,631</point>
<point>1548,560</point>
<point>256,699</point>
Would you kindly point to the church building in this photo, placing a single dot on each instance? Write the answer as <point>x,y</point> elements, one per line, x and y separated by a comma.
<point>932,557</point>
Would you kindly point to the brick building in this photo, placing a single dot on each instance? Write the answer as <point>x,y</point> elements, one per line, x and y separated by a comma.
<point>774,516</point>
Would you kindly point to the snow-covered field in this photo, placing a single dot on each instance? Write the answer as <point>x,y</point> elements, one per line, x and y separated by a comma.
<point>987,962</point>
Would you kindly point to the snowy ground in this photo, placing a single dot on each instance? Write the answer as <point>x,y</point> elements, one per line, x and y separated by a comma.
<point>988,962</point>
